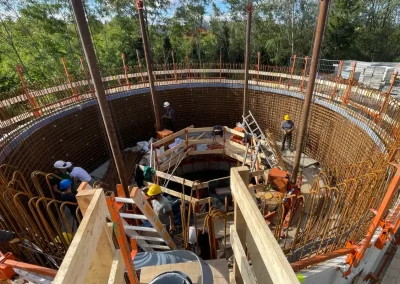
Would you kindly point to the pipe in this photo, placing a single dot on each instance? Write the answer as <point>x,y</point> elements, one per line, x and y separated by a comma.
<point>247,56</point>
<point>323,14</point>
<point>149,62</point>
<point>91,60</point>
<point>301,264</point>
<point>31,268</point>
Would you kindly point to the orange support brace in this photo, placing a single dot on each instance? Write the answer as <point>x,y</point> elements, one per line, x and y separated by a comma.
<point>333,93</point>
<point>140,66</point>
<point>86,75</point>
<point>188,64</point>
<point>387,96</point>
<point>354,259</point>
<point>304,73</point>
<point>291,71</point>
<point>64,62</point>
<point>173,63</point>
<point>258,67</point>
<point>220,66</point>
<point>119,231</point>
<point>348,91</point>
<point>125,70</point>
<point>32,101</point>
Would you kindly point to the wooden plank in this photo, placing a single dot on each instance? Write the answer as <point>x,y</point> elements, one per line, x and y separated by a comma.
<point>172,150</point>
<point>117,269</point>
<point>235,145</point>
<point>172,192</point>
<point>269,249</point>
<point>202,129</point>
<point>235,132</point>
<point>241,262</point>
<point>171,137</point>
<point>206,141</point>
<point>206,152</point>
<point>76,263</point>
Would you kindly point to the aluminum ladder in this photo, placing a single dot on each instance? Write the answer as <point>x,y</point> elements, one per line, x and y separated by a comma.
<point>261,143</point>
<point>162,240</point>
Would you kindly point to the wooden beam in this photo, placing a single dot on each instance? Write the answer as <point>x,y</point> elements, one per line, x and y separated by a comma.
<point>202,129</point>
<point>241,262</point>
<point>173,193</point>
<point>173,136</point>
<point>76,263</point>
<point>235,145</point>
<point>206,141</point>
<point>117,269</point>
<point>233,131</point>
<point>206,152</point>
<point>268,247</point>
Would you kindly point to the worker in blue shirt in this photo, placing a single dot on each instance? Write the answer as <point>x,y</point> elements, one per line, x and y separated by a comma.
<point>287,129</point>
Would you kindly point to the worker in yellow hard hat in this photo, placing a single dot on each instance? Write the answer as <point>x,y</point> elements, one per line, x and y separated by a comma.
<point>162,207</point>
<point>287,129</point>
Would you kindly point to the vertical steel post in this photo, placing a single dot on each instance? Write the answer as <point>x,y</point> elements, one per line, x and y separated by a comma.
<point>337,80</point>
<point>220,65</point>
<point>323,14</point>
<point>174,65</point>
<point>64,62</point>
<point>86,75</point>
<point>247,58</point>
<point>91,59</point>
<point>292,71</point>
<point>304,74</point>
<point>149,62</point>
<point>32,101</point>
<point>125,70</point>
<point>346,97</point>
<point>387,96</point>
<point>258,66</point>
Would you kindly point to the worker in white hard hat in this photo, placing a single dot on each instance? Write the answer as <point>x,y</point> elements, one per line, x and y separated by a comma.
<point>287,130</point>
<point>60,174</point>
<point>80,174</point>
<point>169,117</point>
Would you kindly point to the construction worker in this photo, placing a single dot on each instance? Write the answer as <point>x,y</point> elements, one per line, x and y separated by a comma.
<point>161,207</point>
<point>79,174</point>
<point>68,195</point>
<point>169,117</point>
<point>61,173</point>
<point>287,129</point>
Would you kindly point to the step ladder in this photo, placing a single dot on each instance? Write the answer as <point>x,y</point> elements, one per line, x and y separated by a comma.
<point>160,239</point>
<point>261,143</point>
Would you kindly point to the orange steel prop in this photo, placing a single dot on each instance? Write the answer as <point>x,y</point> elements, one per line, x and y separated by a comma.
<point>299,265</point>
<point>220,66</point>
<point>354,259</point>
<point>125,70</point>
<point>140,66</point>
<point>387,95</point>
<point>258,66</point>
<point>291,71</point>
<point>86,75</point>
<point>8,259</point>
<point>348,91</point>
<point>64,62</point>
<point>333,93</point>
<point>188,64</point>
<point>173,63</point>
<point>32,101</point>
<point>304,73</point>
<point>121,238</point>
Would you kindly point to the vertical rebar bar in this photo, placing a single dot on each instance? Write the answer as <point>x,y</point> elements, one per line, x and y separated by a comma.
<point>247,58</point>
<point>91,60</point>
<point>323,14</point>
<point>149,62</point>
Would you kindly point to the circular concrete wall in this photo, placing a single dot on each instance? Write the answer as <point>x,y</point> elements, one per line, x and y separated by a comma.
<point>77,134</point>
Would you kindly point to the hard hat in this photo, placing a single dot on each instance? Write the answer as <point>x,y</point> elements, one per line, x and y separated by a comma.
<point>287,117</point>
<point>155,189</point>
<point>166,104</point>
<point>62,165</point>
<point>65,184</point>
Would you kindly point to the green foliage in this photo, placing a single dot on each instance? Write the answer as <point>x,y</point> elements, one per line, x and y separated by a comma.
<point>36,34</point>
